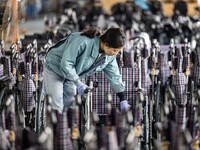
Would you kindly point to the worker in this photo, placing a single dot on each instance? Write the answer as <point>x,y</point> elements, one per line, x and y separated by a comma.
<point>80,55</point>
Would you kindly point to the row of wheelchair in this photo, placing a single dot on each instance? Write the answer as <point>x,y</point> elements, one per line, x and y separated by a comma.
<point>162,87</point>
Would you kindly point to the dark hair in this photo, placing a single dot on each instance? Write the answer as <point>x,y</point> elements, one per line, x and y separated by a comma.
<point>91,32</point>
<point>114,38</point>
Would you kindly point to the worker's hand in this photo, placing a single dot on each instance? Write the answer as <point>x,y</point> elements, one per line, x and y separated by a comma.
<point>124,106</point>
<point>81,87</point>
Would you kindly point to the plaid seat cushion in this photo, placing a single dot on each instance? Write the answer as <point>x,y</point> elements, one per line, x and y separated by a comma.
<point>99,94</point>
<point>196,70</point>
<point>28,90</point>
<point>62,137</point>
<point>179,84</point>
<point>129,76</point>
<point>164,68</point>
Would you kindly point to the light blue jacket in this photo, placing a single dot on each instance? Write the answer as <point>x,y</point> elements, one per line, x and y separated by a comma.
<point>73,55</point>
<point>143,4</point>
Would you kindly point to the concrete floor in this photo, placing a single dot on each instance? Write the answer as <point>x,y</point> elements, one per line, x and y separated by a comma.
<point>31,26</point>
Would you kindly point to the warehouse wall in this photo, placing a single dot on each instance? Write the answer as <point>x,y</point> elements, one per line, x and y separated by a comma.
<point>108,3</point>
<point>52,5</point>
<point>167,7</point>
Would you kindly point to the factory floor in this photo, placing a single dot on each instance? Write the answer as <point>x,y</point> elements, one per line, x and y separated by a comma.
<point>31,26</point>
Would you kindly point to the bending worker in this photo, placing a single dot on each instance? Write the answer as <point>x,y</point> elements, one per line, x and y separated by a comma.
<point>80,55</point>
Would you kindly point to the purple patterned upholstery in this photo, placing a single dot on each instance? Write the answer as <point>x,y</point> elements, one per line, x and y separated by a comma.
<point>164,69</point>
<point>179,83</point>
<point>196,70</point>
<point>28,90</point>
<point>99,94</point>
<point>62,138</point>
